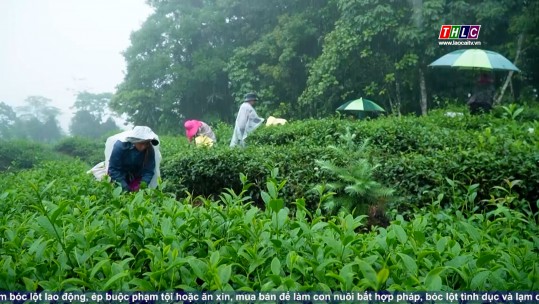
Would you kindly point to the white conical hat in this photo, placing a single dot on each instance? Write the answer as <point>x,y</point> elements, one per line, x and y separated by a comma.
<point>142,133</point>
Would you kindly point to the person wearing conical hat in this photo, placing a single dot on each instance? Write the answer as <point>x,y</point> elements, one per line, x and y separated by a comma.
<point>246,121</point>
<point>134,158</point>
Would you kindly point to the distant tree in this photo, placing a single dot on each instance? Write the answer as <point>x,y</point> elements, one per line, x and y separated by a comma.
<point>89,119</point>
<point>8,118</point>
<point>33,129</point>
<point>38,120</point>
<point>95,104</point>
<point>84,124</point>
<point>38,107</point>
<point>109,125</point>
<point>180,61</point>
<point>305,58</point>
<point>51,130</point>
<point>276,64</point>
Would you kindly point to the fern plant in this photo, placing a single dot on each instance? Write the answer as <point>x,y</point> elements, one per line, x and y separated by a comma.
<point>355,188</point>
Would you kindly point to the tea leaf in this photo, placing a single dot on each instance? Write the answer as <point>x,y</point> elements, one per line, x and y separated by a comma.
<point>400,233</point>
<point>74,281</point>
<point>433,281</point>
<point>224,272</point>
<point>141,284</point>
<point>479,280</point>
<point>367,271</point>
<point>199,268</point>
<point>484,258</point>
<point>115,278</point>
<point>46,225</point>
<point>441,244</point>
<point>98,267</point>
<point>265,197</point>
<point>276,266</point>
<point>276,204</point>
<point>409,263</point>
<point>214,258</point>
<point>59,210</point>
<point>272,190</point>
<point>382,276</point>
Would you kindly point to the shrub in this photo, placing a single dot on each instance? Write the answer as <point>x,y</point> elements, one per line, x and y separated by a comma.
<point>21,154</point>
<point>485,157</point>
<point>417,155</point>
<point>63,231</point>
<point>207,172</point>
<point>87,150</point>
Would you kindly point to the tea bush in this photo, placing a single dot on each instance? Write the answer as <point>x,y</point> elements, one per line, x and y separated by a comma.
<point>63,231</point>
<point>20,154</point>
<point>207,172</point>
<point>417,155</point>
<point>87,150</point>
<point>486,157</point>
<point>245,219</point>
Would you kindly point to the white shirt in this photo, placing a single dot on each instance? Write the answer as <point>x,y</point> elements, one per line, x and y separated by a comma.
<point>246,122</point>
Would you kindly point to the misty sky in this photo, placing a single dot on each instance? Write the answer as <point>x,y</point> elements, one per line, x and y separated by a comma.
<point>56,48</point>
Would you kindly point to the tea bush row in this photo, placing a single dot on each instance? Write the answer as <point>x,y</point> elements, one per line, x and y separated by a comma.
<point>417,155</point>
<point>207,172</point>
<point>63,231</point>
<point>22,154</point>
<point>87,150</point>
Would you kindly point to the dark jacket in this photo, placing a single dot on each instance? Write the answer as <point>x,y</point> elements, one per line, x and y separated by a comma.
<point>127,163</point>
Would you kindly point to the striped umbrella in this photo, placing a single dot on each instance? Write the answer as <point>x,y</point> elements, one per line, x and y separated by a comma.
<point>475,59</point>
<point>360,104</point>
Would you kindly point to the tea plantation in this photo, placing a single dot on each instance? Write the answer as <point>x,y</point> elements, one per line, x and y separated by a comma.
<point>404,204</point>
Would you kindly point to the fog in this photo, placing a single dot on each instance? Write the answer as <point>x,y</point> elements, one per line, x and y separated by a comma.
<point>56,48</point>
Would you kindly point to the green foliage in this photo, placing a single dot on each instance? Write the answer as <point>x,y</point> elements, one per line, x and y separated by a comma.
<point>38,107</point>
<point>20,154</point>
<point>276,65</point>
<point>512,111</point>
<point>414,156</point>
<point>311,56</point>
<point>473,150</point>
<point>87,150</point>
<point>37,121</point>
<point>464,215</point>
<point>8,118</point>
<point>208,172</point>
<point>355,188</point>
<point>94,103</point>
<point>84,124</point>
<point>64,231</point>
<point>89,119</point>
<point>223,132</point>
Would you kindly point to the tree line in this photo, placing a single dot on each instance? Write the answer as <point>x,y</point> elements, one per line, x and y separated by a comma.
<point>196,59</point>
<point>304,58</point>
<point>37,120</point>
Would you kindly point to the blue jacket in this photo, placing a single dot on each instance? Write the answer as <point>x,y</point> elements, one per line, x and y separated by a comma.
<point>127,163</point>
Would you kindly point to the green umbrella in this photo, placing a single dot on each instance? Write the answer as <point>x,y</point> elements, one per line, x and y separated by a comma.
<point>475,59</point>
<point>360,104</point>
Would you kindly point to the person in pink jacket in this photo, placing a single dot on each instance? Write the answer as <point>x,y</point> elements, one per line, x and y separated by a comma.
<point>194,128</point>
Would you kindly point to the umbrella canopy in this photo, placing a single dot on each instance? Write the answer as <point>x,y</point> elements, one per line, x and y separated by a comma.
<point>360,104</point>
<point>475,59</point>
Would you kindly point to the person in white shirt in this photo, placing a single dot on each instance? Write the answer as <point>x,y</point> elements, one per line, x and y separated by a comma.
<point>246,121</point>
